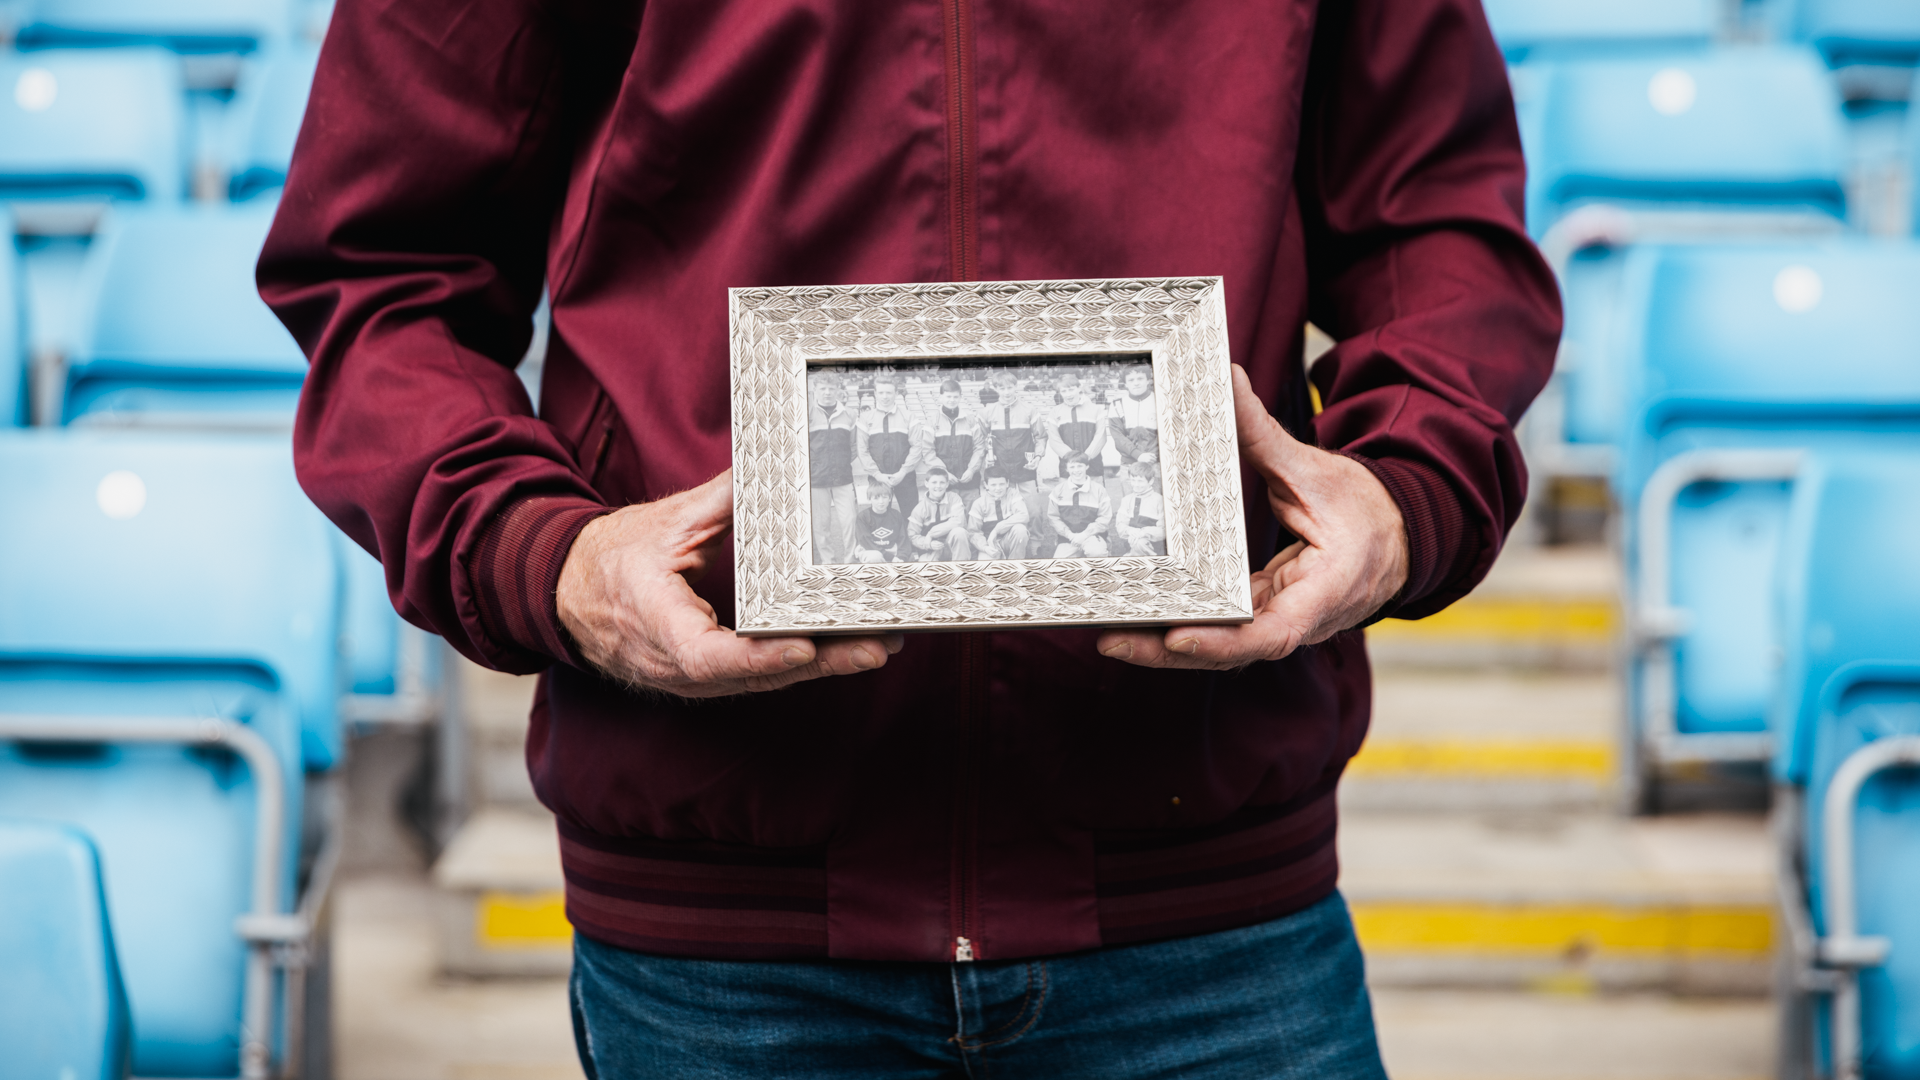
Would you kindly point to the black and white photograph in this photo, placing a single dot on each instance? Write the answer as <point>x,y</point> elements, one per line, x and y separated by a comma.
<point>981,460</point>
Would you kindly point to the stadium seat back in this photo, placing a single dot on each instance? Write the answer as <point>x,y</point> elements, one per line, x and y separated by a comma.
<point>63,1008</point>
<point>172,322</point>
<point>190,26</point>
<point>92,124</point>
<point>1848,592</point>
<point>269,106</point>
<point>372,627</point>
<point>182,547</point>
<point>1860,31</point>
<point>1589,346</point>
<point>13,336</point>
<point>1806,348</point>
<point>1733,128</point>
<point>1532,29</point>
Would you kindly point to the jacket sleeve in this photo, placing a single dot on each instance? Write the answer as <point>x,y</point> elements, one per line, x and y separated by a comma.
<point>407,256</point>
<point>1411,185</point>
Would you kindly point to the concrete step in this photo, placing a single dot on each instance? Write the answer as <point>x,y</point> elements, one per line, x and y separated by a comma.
<point>1551,608</point>
<point>500,908</point>
<point>1571,902</point>
<point>1488,740</point>
<point>496,707</point>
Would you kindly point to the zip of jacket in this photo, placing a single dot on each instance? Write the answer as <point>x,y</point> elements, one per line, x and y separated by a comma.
<point>964,244</point>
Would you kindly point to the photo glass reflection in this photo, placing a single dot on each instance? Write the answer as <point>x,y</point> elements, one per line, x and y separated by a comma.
<point>979,460</point>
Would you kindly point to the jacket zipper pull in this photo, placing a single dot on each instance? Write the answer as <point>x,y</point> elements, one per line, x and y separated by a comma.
<point>962,950</point>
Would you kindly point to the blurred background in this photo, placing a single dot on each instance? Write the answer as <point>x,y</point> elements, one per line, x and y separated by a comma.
<point>1645,805</point>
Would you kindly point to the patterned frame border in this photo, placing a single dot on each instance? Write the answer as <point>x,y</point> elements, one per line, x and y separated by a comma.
<point>776,333</point>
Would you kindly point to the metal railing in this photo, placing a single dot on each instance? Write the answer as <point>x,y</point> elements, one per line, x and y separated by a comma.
<point>1657,623</point>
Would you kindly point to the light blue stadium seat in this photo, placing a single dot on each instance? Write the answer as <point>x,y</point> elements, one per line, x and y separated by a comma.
<point>1730,128</point>
<point>13,336</point>
<point>1848,597</point>
<point>173,330</point>
<point>169,581</point>
<point>1534,29</point>
<point>188,26</point>
<point>63,1008</point>
<point>268,107</point>
<point>1746,357</point>
<point>92,124</point>
<point>1727,143</point>
<point>1859,31</point>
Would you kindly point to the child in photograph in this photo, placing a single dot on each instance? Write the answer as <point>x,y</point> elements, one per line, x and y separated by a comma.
<point>888,439</point>
<point>880,528</point>
<point>958,442</point>
<point>938,525</point>
<point>997,521</point>
<point>1139,523</point>
<point>1077,426</point>
<point>830,465</point>
<point>1133,421</point>
<point>1080,511</point>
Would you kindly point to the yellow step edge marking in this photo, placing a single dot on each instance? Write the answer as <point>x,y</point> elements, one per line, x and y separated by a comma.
<point>1548,930</point>
<point>1501,758</point>
<point>504,920</point>
<point>1584,620</point>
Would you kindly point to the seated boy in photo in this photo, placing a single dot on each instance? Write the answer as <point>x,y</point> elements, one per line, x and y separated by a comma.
<point>879,528</point>
<point>997,522</point>
<point>938,524</point>
<point>1080,512</point>
<point>1139,523</point>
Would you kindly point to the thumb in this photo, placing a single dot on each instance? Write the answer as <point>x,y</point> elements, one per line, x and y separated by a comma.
<point>706,511</point>
<point>1263,442</point>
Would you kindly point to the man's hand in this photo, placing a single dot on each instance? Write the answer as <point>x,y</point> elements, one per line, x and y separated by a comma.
<point>625,597</point>
<point>1350,560</point>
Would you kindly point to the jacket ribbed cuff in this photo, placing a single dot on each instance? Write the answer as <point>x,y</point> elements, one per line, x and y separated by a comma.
<point>515,572</point>
<point>1437,531</point>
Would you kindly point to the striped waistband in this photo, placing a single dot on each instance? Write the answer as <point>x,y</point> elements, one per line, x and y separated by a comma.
<point>723,901</point>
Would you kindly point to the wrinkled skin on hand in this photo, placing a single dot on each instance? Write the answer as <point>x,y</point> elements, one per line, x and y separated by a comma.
<point>626,596</point>
<point>1350,560</point>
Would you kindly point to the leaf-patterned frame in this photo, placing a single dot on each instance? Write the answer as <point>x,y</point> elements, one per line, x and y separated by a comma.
<point>776,334</point>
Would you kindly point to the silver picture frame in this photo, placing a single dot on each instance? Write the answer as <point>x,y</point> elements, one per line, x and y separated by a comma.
<point>777,335</point>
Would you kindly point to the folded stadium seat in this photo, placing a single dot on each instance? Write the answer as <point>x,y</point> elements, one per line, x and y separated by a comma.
<point>173,332</point>
<point>1548,29</point>
<point>163,626</point>
<point>187,26</point>
<point>63,1009</point>
<point>1858,32</point>
<point>1847,718</point>
<point>1726,143</point>
<point>13,340</point>
<point>268,106</point>
<point>91,124</point>
<point>1743,359</point>
<point>174,335</point>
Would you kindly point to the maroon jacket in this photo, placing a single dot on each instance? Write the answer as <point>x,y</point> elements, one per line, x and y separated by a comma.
<point>1357,163</point>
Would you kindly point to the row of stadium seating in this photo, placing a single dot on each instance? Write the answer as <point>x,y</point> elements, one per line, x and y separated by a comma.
<point>1743,369</point>
<point>1769,478</point>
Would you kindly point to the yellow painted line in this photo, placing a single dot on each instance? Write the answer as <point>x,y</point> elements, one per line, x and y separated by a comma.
<point>522,921</point>
<point>1492,758</point>
<point>1730,932</point>
<point>1519,619</point>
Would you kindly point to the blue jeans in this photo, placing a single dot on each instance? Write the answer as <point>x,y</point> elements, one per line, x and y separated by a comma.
<point>1281,1000</point>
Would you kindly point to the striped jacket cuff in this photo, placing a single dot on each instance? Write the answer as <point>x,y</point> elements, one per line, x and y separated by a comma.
<point>1439,551</point>
<point>515,572</point>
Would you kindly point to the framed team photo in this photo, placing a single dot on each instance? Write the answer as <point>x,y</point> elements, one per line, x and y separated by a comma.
<point>973,455</point>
